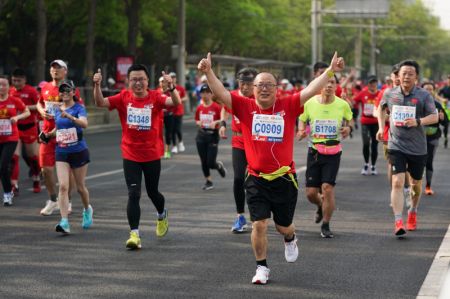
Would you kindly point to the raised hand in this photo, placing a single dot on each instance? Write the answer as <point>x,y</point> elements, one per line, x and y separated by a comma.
<point>205,64</point>
<point>97,79</point>
<point>337,63</point>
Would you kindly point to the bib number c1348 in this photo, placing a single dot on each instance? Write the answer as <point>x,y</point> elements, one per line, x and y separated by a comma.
<point>139,118</point>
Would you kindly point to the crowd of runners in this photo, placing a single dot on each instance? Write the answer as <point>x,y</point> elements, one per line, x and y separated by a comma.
<point>268,114</point>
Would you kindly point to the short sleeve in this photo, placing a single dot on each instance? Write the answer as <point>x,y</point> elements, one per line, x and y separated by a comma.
<point>19,104</point>
<point>82,111</point>
<point>348,115</point>
<point>429,105</point>
<point>305,115</point>
<point>115,101</point>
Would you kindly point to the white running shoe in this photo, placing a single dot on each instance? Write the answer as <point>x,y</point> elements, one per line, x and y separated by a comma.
<point>8,199</point>
<point>50,207</point>
<point>261,276</point>
<point>365,170</point>
<point>181,147</point>
<point>291,251</point>
<point>174,150</point>
<point>373,170</point>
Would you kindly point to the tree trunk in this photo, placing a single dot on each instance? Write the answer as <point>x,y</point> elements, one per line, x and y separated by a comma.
<point>89,66</point>
<point>41,14</point>
<point>132,11</point>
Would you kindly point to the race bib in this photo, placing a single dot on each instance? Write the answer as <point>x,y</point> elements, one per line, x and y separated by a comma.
<point>5,127</point>
<point>267,128</point>
<point>206,120</point>
<point>400,113</point>
<point>139,118</point>
<point>64,137</point>
<point>52,107</point>
<point>325,129</point>
<point>368,109</point>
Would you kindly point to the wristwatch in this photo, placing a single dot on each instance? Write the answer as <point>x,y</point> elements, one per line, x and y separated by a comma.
<point>418,121</point>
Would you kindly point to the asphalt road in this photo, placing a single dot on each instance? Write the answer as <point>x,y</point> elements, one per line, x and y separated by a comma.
<point>200,258</point>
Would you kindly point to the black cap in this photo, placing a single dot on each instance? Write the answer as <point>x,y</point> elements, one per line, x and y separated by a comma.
<point>247,74</point>
<point>205,88</point>
<point>372,78</point>
<point>66,84</point>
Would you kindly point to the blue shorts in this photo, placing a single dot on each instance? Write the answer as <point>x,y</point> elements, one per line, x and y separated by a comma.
<point>75,160</point>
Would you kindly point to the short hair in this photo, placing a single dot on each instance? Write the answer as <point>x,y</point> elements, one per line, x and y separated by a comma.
<point>138,67</point>
<point>247,71</point>
<point>412,63</point>
<point>428,83</point>
<point>4,77</point>
<point>18,72</point>
<point>395,69</point>
<point>320,65</point>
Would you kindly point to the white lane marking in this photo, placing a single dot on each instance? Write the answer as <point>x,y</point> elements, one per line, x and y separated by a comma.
<point>437,282</point>
<point>301,169</point>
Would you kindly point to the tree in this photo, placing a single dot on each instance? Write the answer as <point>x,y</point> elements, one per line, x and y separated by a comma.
<point>41,14</point>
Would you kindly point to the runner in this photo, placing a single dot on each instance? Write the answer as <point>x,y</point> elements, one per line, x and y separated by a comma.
<point>11,111</point>
<point>369,125</point>
<point>268,130</point>
<point>245,89</point>
<point>207,118</point>
<point>433,133</point>
<point>445,93</point>
<point>28,131</point>
<point>329,116</point>
<point>168,120</point>
<point>410,108</point>
<point>142,143</point>
<point>72,154</point>
<point>177,132</point>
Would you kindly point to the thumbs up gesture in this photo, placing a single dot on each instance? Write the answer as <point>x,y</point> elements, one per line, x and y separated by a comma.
<point>97,77</point>
<point>205,64</point>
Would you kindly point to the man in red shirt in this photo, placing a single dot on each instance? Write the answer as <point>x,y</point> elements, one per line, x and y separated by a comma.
<point>142,144</point>
<point>28,131</point>
<point>369,124</point>
<point>268,130</point>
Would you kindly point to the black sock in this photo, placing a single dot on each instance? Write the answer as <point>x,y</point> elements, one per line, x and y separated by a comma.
<point>53,197</point>
<point>290,239</point>
<point>261,263</point>
<point>326,224</point>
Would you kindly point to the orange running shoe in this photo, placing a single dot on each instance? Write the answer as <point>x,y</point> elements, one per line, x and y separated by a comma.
<point>428,190</point>
<point>411,224</point>
<point>399,228</point>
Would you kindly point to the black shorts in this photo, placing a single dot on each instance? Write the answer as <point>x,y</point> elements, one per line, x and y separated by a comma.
<point>278,197</point>
<point>321,168</point>
<point>75,160</point>
<point>401,162</point>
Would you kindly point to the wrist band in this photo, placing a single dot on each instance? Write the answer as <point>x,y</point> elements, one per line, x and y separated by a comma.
<point>223,123</point>
<point>330,73</point>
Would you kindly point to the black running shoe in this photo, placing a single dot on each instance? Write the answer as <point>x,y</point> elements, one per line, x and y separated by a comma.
<point>325,231</point>
<point>221,169</point>
<point>319,214</point>
<point>208,186</point>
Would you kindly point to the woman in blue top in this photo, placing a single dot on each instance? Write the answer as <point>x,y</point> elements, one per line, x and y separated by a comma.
<point>72,154</point>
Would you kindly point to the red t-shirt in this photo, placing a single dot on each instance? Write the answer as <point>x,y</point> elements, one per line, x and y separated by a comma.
<point>179,109</point>
<point>367,100</point>
<point>49,100</point>
<point>236,141</point>
<point>272,145</point>
<point>208,114</point>
<point>10,107</point>
<point>29,97</point>
<point>282,93</point>
<point>141,124</point>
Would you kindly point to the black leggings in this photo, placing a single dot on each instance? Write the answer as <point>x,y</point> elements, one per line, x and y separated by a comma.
<point>207,147</point>
<point>431,151</point>
<point>6,152</point>
<point>370,142</point>
<point>176,130</point>
<point>168,128</point>
<point>239,167</point>
<point>133,177</point>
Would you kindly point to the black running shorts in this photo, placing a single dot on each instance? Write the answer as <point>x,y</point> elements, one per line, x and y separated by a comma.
<point>321,168</point>
<point>75,160</point>
<point>401,162</point>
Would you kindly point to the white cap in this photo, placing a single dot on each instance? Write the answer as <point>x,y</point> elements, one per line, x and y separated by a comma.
<point>161,79</point>
<point>59,62</point>
<point>285,81</point>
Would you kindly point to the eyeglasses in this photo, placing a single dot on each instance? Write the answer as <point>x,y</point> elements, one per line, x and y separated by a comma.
<point>135,80</point>
<point>268,86</point>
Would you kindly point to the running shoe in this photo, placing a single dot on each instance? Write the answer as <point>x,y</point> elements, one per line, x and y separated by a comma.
<point>8,199</point>
<point>240,225</point>
<point>399,228</point>
<point>162,225</point>
<point>174,150</point>
<point>208,186</point>
<point>365,170</point>
<point>325,231</point>
<point>63,226</point>
<point>15,190</point>
<point>319,215</point>
<point>36,187</point>
<point>221,169</point>
<point>373,170</point>
<point>429,191</point>
<point>181,147</point>
<point>50,207</point>
<point>134,242</point>
<point>87,217</point>
<point>261,276</point>
<point>167,155</point>
<point>291,250</point>
<point>411,223</point>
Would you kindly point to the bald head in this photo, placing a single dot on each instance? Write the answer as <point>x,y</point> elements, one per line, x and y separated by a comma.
<point>265,77</point>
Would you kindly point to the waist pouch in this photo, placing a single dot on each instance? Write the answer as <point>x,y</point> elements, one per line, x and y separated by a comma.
<point>330,147</point>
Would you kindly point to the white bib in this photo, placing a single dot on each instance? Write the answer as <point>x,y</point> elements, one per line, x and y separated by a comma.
<point>325,128</point>
<point>267,127</point>
<point>52,107</point>
<point>400,113</point>
<point>206,120</point>
<point>139,118</point>
<point>66,136</point>
<point>5,127</point>
<point>368,109</point>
